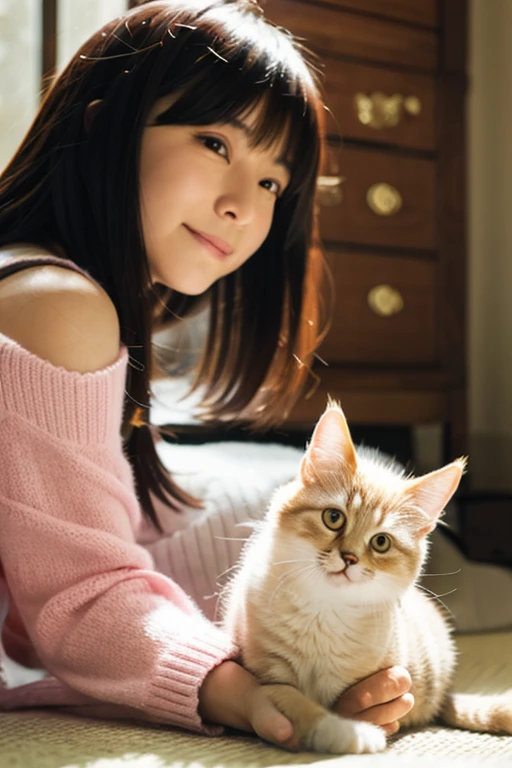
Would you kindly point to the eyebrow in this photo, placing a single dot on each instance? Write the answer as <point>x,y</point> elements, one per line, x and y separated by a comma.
<point>237,123</point>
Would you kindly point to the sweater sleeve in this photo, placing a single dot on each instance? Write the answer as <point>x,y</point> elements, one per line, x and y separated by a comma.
<point>100,618</point>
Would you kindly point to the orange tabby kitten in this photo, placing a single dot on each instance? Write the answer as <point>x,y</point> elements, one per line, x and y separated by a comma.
<point>325,594</point>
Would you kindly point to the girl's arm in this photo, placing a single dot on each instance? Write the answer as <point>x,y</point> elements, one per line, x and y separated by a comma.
<point>97,614</point>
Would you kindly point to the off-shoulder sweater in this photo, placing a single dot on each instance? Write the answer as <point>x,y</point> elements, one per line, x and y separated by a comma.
<point>79,596</point>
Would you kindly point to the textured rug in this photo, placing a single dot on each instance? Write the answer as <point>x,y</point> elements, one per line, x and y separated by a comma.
<point>51,740</point>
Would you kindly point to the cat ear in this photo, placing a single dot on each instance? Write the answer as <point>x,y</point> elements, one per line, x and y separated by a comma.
<point>331,447</point>
<point>432,492</point>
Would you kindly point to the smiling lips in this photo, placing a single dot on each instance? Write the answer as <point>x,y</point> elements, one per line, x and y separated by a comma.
<point>215,245</point>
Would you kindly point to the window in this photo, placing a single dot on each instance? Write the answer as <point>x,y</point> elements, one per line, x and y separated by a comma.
<point>20,70</point>
<point>38,36</point>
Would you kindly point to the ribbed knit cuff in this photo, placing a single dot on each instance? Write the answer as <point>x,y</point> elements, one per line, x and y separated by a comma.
<point>173,692</point>
<point>80,407</point>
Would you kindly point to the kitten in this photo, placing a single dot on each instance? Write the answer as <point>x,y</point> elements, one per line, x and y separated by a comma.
<point>325,594</point>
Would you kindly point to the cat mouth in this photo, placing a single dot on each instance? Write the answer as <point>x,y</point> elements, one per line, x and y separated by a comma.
<point>339,575</point>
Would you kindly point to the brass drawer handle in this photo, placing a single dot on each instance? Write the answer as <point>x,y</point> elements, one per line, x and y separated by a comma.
<point>380,111</point>
<point>329,191</point>
<point>383,199</point>
<point>412,105</point>
<point>385,300</point>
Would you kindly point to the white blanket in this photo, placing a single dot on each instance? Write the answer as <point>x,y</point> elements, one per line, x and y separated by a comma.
<point>236,481</point>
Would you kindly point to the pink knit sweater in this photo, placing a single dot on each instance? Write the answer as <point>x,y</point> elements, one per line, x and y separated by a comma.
<point>78,595</point>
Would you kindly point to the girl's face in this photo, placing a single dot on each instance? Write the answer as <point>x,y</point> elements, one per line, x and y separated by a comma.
<point>207,199</point>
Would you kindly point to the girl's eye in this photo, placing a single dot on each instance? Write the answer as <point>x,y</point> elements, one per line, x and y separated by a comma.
<point>381,542</point>
<point>275,189</point>
<point>215,144</point>
<point>334,519</point>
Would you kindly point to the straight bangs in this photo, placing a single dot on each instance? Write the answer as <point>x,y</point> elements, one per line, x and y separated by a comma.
<point>227,78</point>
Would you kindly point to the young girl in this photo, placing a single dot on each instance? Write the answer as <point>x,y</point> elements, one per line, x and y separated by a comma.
<point>173,162</point>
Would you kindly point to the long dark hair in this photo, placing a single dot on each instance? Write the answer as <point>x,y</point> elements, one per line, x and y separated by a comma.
<point>76,193</point>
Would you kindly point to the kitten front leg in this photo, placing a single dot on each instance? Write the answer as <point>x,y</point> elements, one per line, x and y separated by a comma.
<point>321,730</point>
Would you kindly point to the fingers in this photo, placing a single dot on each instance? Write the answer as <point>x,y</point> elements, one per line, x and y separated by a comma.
<point>389,713</point>
<point>382,699</point>
<point>391,728</point>
<point>232,696</point>
<point>292,744</point>
<point>381,688</point>
<point>268,722</point>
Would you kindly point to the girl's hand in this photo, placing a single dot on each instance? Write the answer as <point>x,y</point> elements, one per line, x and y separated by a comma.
<point>381,699</point>
<point>230,695</point>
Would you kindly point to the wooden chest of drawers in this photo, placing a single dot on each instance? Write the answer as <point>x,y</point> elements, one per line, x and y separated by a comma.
<point>392,213</point>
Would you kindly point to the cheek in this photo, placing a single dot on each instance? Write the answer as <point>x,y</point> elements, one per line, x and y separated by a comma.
<point>292,551</point>
<point>265,220</point>
<point>171,185</point>
<point>155,193</point>
<point>399,566</point>
<point>151,173</point>
<point>162,194</point>
<point>304,532</point>
<point>257,233</point>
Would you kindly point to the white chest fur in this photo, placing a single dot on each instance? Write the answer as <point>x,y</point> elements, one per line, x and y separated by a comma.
<point>326,649</point>
<point>336,652</point>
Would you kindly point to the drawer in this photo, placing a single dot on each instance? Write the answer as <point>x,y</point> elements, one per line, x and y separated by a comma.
<point>385,200</point>
<point>329,31</point>
<point>422,12</point>
<point>385,311</point>
<point>376,104</point>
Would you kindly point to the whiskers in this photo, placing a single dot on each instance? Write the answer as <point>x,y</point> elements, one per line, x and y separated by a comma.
<point>293,574</point>
<point>218,581</point>
<point>450,573</point>
<point>298,560</point>
<point>434,596</point>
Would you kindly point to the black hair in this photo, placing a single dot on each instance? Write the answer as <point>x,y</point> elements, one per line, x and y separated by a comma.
<point>76,193</point>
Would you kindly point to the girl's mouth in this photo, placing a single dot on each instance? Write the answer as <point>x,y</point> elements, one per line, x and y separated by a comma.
<point>219,248</point>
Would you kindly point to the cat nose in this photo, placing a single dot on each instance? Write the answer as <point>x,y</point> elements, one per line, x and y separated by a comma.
<point>348,558</point>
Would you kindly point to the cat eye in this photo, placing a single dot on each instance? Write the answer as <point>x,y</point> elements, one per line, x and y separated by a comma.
<point>381,542</point>
<point>333,518</point>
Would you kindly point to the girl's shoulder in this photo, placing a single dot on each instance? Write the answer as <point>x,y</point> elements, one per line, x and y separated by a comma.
<point>59,314</point>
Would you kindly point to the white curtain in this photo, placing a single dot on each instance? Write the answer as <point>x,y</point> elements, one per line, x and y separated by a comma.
<point>79,20</point>
<point>20,56</point>
<point>20,71</point>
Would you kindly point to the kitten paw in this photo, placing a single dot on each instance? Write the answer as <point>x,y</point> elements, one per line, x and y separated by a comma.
<point>367,738</point>
<point>340,736</point>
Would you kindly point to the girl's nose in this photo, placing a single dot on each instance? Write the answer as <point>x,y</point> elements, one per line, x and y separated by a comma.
<point>238,205</point>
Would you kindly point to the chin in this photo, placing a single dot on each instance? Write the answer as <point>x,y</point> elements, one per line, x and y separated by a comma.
<point>186,288</point>
<point>194,290</point>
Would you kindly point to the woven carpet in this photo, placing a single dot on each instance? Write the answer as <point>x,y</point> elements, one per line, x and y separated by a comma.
<point>50,740</point>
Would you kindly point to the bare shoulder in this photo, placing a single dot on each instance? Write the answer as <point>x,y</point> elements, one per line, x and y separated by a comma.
<point>61,316</point>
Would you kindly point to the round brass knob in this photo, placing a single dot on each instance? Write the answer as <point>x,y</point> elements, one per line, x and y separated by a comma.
<point>412,105</point>
<point>381,111</point>
<point>329,191</point>
<point>384,199</point>
<point>385,300</point>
